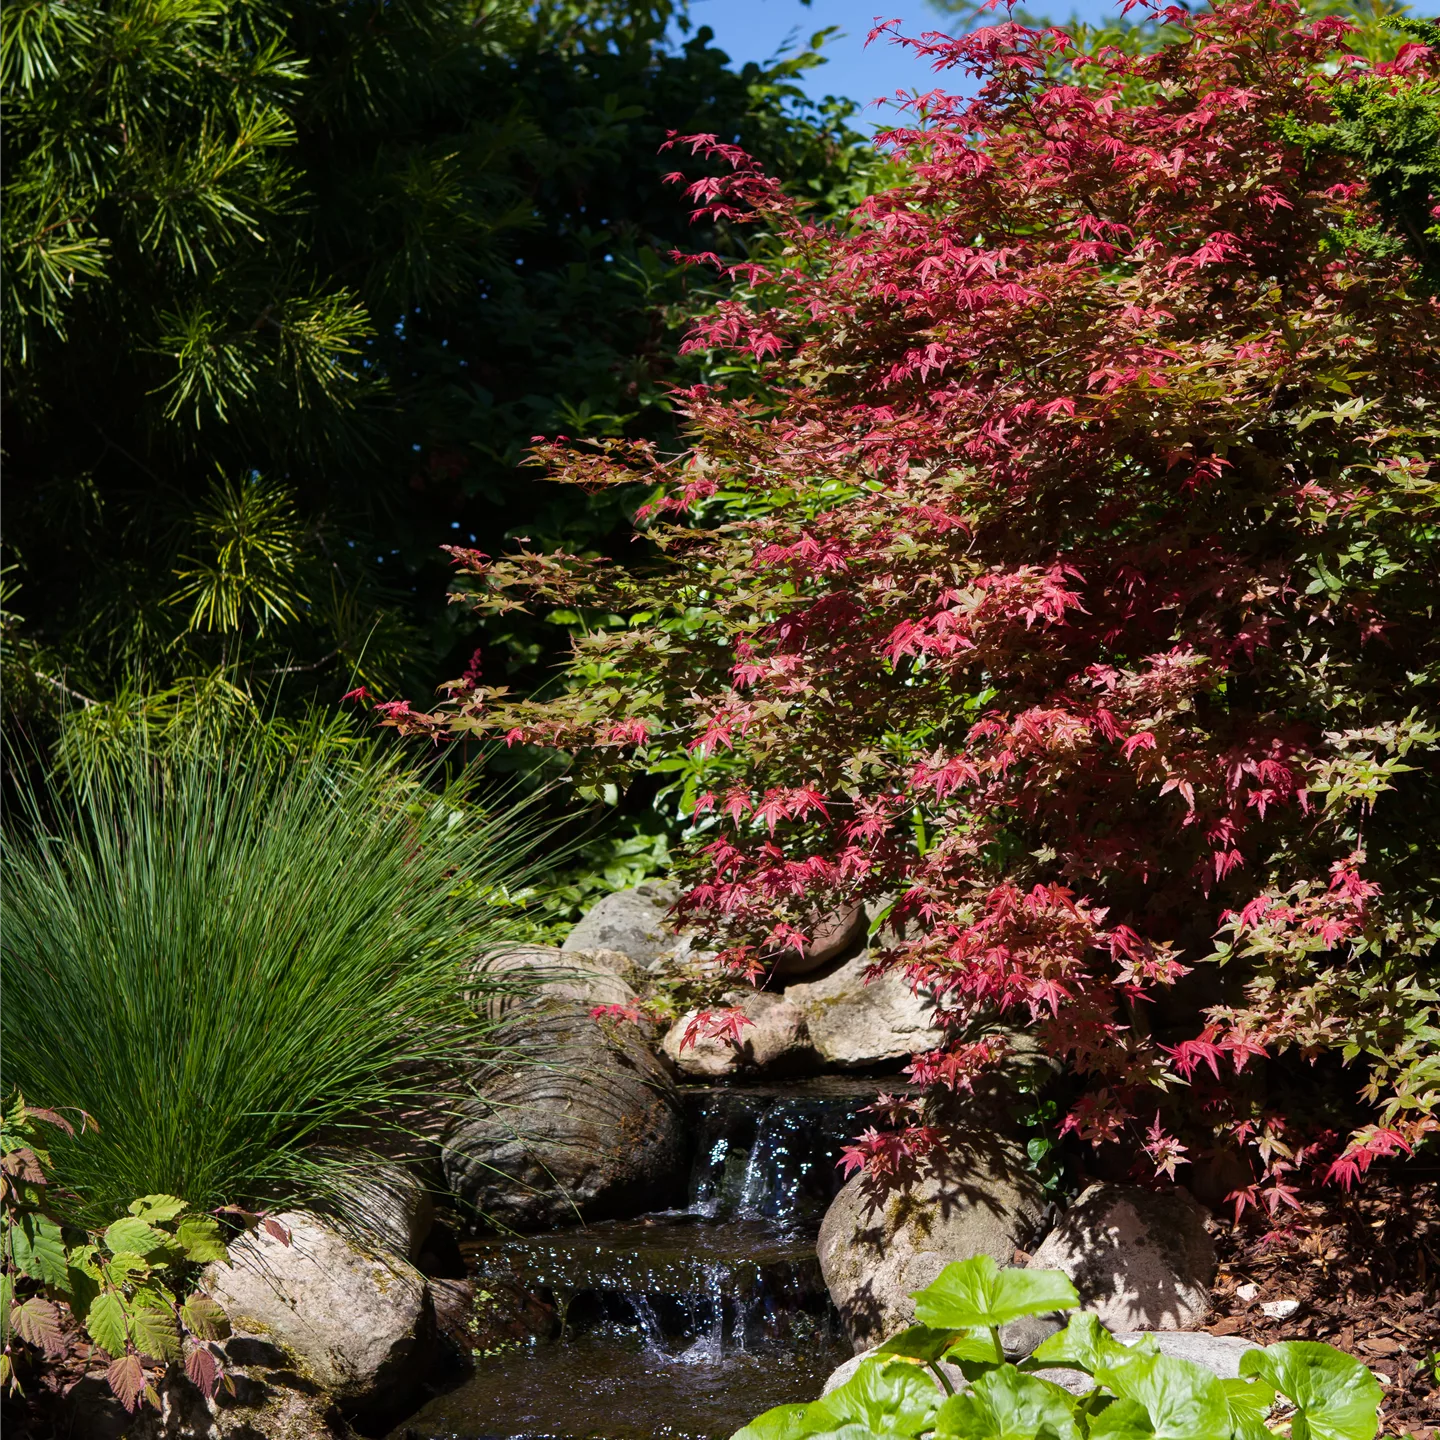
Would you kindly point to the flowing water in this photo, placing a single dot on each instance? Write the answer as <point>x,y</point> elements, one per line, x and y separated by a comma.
<point>682,1324</point>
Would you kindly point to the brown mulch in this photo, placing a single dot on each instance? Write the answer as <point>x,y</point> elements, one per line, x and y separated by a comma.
<point>1365,1268</point>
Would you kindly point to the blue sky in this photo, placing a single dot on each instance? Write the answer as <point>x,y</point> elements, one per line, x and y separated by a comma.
<point>756,29</point>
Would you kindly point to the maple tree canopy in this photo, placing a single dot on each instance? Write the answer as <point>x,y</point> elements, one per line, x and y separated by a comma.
<point>1070,581</point>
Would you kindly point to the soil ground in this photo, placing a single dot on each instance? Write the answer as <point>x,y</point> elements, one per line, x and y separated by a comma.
<point>1365,1268</point>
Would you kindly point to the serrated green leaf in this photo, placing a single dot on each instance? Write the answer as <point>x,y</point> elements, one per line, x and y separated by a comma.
<point>135,1236</point>
<point>896,1400</point>
<point>1334,1395</point>
<point>105,1323</point>
<point>1183,1400</point>
<point>153,1327</point>
<point>157,1209</point>
<point>125,1267</point>
<point>38,1248</point>
<point>1005,1404</point>
<point>199,1236</point>
<point>205,1318</point>
<point>976,1293</point>
<point>784,1422</point>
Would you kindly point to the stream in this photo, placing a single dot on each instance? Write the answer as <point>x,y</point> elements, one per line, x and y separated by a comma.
<point>680,1324</point>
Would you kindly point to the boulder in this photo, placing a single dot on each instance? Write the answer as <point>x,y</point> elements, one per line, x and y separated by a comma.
<point>383,1201</point>
<point>528,974</point>
<point>394,1208</point>
<point>775,1043</point>
<point>1141,1259</point>
<point>831,935</point>
<point>853,1023</point>
<point>357,1322</point>
<point>880,1242</point>
<point>576,1119</point>
<point>630,921</point>
<point>1220,1353</point>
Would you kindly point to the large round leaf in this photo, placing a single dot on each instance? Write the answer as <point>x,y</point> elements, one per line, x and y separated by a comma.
<point>1335,1396</point>
<point>969,1293</point>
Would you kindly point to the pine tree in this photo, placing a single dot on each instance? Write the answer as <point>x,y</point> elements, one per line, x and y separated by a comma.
<point>288,289</point>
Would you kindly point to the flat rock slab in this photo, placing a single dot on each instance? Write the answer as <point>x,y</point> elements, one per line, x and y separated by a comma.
<point>1218,1353</point>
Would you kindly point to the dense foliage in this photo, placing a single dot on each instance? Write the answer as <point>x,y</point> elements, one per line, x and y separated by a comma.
<point>247,974</point>
<point>1073,589</point>
<point>127,1284</point>
<point>289,287</point>
<point>1137,1393</point>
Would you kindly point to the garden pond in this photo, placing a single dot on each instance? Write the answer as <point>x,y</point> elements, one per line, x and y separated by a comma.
<point>682,1324</point>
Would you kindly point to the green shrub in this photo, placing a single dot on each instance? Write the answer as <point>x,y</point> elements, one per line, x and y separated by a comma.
<point>128,1285</point>
<point>1138,1393</point>
<point>223,959</point>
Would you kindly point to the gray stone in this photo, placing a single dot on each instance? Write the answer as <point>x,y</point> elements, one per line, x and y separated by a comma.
<point>528,974</point>
<point>831,935</point>
<point>356,1321</point>
<point>1141,1259</point>
<point>270,1399</point>
<point>630,921</point>
<point>881,1242</point>
<point>386,1204</point>
<point>1220,1353</point>
<point>776,1041</point>
<point>854,1023</point>
<point>576,1119</point>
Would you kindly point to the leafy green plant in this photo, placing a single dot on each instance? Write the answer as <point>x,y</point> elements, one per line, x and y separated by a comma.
<point>126,1285</point>
<point>227,961</point>
<point>905,1389</point>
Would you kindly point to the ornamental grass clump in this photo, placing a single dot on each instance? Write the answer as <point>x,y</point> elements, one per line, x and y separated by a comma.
<point>1061,571</point>
<point>224,960</point>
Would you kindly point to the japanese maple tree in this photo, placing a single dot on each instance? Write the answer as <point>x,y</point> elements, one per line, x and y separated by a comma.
<point>1070,582</point>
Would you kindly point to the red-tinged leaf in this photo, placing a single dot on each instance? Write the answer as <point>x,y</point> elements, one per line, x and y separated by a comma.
<point>127,1379</point>
<point>24,1166</point>
<point>37,1321</point>
<point>203,1369</point>
<point>723,1025</point>
<point>51,1117</point>
<point>276,1230</point>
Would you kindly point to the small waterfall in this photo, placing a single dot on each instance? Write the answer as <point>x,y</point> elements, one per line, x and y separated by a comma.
<point>772,1159</point>
<point>721,1306</point>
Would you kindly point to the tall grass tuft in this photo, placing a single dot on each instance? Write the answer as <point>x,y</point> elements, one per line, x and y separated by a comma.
<point>224,960</point>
